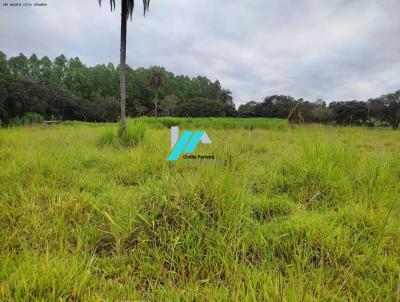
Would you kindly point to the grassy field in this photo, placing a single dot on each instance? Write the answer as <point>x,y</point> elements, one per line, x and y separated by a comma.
<point>305,213</point>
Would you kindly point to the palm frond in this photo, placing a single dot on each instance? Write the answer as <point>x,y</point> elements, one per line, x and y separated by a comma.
<point>156,79</point>
<point>130,6</point>
<point>112,4</point>
<point>146,6</point>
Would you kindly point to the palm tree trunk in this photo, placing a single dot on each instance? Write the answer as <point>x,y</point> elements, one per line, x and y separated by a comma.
<point>156,101</point>
<point>124,20</point>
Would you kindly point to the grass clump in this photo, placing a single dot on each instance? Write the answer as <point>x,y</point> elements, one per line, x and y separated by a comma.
<point>131,137</point>
<point>108,136</point>
<point>266,209</point>
<point>29,119</point>
<point>42,280</point>
<point>134,133</point>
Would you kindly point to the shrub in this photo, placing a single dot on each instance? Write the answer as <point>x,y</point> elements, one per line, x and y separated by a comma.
<point>32,118</point>
<point>15,121</point>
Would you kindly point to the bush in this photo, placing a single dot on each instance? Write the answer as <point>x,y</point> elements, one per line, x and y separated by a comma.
<point>32,118</point>
<point>15,121</point>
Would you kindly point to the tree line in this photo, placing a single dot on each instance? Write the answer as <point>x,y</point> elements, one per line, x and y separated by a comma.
<point>66,89</point>
<point>380,111</point>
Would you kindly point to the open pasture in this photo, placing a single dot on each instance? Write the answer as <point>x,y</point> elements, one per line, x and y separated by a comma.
<point>288,213</point>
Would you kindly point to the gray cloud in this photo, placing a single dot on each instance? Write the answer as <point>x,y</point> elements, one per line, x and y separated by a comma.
<point>335,50</point>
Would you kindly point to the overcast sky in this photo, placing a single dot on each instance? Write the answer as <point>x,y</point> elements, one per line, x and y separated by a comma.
<point>330,49</point>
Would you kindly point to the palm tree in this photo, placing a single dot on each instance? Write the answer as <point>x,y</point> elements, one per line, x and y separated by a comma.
<point>156,80</point>
<point>126,12</point>
<point>225,97</point>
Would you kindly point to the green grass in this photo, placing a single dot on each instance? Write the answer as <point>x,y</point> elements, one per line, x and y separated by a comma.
<point>133,135</point>
<point>217,123</point>
<point>289,213</point>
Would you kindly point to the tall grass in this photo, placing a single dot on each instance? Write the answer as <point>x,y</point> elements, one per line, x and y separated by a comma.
<point>213,123</point>
<point>305,214</point>
<point>217,123</point>
<point>134,134</point>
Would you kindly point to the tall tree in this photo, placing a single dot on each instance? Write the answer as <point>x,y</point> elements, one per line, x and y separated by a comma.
<point>34,68</point>
<point>19,66</point>
<point>225,97</point>
<point>169,104</point>
<point>3,63</point>
<point>46,70</point>
<point>59,70</point>
<point>126,11</point>
<point>156,80</point>
<point>392,109</point>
